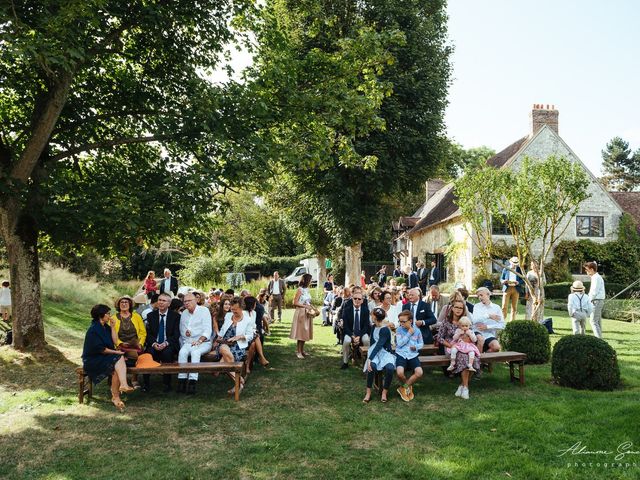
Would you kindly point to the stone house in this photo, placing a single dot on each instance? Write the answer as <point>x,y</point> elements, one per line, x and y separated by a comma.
<point>437,228</point>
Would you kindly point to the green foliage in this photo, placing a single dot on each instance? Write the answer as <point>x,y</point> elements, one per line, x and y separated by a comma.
<point>528,337</point>
<point>621,168</point>
<point>561,290</point>
<point>585,363</point>
<point>457,159</point>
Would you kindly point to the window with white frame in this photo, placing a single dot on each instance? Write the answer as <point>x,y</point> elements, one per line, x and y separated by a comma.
<point>589,226</point>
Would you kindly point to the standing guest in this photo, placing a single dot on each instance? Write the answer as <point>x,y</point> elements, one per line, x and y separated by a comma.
<point>363,279</point>
<point>382,276</point>
<point>276,290</point>
<point>421,314</point>
<point>163,338</point>
<point>579,306</point>
<point>195,337</point>
<point>5,300</point>
<point>100,359</point>
<point>421,272</point>
<point>445,337</point>
<point>397,273</point>
<point>355,318</point>
<point>533,276</point>
<point>130,331</point>
<point>434,274</point>
<point>150,285</point>
<point>412,277</point>
<point>380,357</point>
<point>408,344</point>
<point>302,323</point>
<point>232,342</point>
<point>487,321</point>
<point>169,283</point>
<point>512,287</point>
<point>596,294</point>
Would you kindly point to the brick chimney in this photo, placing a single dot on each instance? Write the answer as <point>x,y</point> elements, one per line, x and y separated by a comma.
<point>544,115</point>
<point>432,186</point>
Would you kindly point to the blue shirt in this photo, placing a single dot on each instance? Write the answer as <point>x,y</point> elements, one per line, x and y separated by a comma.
<point>404,342</point>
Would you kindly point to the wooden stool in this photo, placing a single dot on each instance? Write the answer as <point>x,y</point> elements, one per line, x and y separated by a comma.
<point>85,386</point>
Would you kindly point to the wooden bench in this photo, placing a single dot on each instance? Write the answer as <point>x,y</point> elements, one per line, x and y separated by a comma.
<point>85,386</point>
<point>513,358</point>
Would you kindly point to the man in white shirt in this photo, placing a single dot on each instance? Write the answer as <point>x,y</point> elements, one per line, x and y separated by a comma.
<point>276,290</point>
<point>487,321</point>
<point>195,338</point>
<point>596,294</point>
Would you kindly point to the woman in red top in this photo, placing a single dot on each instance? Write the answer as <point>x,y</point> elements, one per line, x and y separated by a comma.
<point>363,280</point>
<point>150,284</point>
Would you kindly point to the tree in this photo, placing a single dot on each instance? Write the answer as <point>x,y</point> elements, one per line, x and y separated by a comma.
<point>621,168</point>
<point>538,202</point>
<point>457,159</point>
<point>402,148</point>
<point>103,88</point>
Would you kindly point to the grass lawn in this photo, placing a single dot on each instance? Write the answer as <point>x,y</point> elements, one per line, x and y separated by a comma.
<point>305,419</point>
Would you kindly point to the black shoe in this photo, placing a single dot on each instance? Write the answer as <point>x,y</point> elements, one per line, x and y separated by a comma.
<point>191,387</point>
<point>344,366</point>
<point>167,388</point>
<point>182,386</point>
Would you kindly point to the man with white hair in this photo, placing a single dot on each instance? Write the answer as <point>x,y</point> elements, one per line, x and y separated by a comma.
<point>169,283</point>
<point>487,321</point>
<point>195,337</point>
<point>421,313</point>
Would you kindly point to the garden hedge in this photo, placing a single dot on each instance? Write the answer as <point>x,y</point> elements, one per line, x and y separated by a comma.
<point>527,337</point>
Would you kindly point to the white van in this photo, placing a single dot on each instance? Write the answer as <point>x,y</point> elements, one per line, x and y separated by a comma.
<point>308,265</point>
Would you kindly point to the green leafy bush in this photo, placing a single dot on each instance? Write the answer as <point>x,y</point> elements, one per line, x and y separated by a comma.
<point>562,290</point>
<point>527,337</point>
<point>585,363</point>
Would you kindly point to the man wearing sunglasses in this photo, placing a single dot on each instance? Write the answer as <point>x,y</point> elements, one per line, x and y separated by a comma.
<point>355,316</point>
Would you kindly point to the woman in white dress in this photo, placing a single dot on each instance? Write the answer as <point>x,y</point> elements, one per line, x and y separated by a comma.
<point>389,309</point>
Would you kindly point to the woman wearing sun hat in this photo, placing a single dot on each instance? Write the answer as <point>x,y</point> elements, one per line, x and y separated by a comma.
<point>579,306</point>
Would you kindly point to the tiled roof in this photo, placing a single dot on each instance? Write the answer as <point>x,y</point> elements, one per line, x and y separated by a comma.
<point>446,206</point>
<point>630,203</point>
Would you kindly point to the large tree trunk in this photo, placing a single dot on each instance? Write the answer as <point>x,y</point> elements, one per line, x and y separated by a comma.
<point>21,240</point>
<point>322,270</point>
<point>353,263</point>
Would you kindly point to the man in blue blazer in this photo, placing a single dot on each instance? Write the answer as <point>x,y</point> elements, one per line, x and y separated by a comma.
<point>434,274</point>
<point>356,322</point>
<point>423,316</point>
<point>512,287</point>
<point>412,277</point>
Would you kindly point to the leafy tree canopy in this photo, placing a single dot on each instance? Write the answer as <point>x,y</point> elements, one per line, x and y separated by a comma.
<point>621,168</point>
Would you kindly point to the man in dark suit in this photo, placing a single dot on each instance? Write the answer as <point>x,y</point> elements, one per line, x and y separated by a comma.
<point>163,334</point>
<point>434,274</point>
<point>357,325</point>
<point>382,276</point>
<point>423,317</point>
<point>169,283</point>
<point>412,277</point>
<point>422,277</point>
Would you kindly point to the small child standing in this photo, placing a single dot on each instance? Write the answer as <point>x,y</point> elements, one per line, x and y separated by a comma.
<point>579,306</point>
<point>464,341</point>
<point>5,301</point>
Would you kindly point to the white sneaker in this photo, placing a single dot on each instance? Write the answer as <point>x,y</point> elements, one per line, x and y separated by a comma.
<point>451,367</point>
<point>465,393</point>
<point>471,369</point>
<point>459,391</point>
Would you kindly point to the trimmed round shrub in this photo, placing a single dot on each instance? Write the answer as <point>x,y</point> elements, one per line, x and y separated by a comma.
<point>585,363</point>
<point>526,336</point>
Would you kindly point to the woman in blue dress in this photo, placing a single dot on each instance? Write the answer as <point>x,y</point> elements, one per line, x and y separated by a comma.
<point>380,357</point>
<point>100,359</point>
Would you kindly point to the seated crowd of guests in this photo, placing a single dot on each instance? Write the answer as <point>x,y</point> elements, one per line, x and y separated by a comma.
<point>395,322</point>
<point>167,329</point>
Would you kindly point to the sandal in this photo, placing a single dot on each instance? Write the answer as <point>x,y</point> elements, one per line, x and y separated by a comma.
<point>126,389</point>
<point>366,400</point>
<point>300,356</point>
<point>265,364</point>
<point>119,404</point>
<point>306,354</point>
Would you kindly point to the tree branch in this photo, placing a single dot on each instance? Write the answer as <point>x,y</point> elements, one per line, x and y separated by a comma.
<point>110,143</point>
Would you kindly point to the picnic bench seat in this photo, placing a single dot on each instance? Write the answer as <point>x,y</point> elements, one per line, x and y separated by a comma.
<point>85,386</point>
<point>428,349</point>
<point>513,358</point>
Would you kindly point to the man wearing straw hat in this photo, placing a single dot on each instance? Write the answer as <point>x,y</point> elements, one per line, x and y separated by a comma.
<point>512,287</point>
<point>579,306</point>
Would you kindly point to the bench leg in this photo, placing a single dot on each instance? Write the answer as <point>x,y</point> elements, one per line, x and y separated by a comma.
<point>511,372</point>
<point>80,388</point>
<point>522,373</point>
<point>237,389</point>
